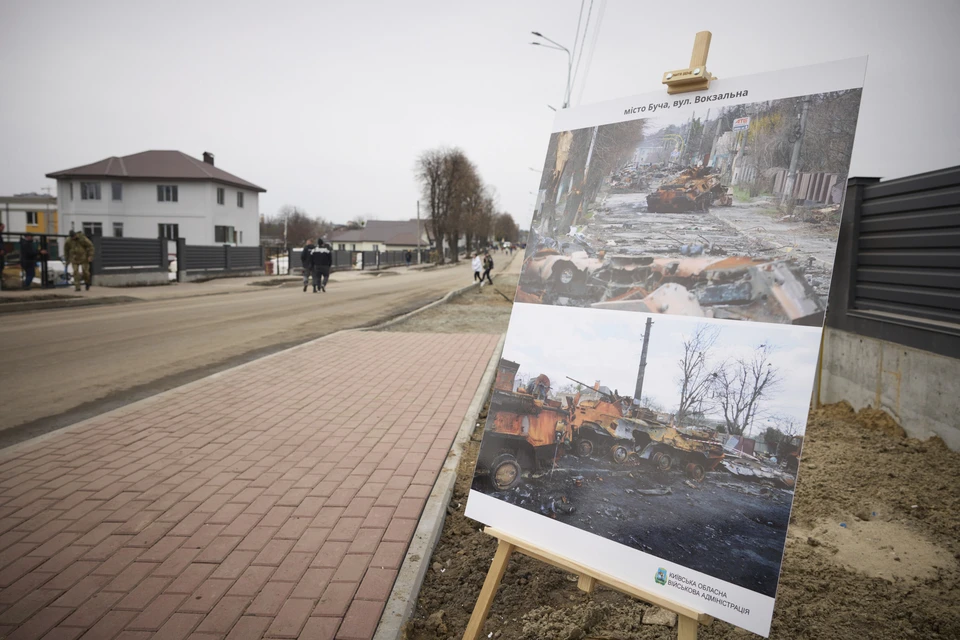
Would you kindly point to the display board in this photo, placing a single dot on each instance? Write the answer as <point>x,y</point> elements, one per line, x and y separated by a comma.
<point>649,410</point>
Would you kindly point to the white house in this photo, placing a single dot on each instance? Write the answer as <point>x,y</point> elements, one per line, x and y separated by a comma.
<point>164,194</point>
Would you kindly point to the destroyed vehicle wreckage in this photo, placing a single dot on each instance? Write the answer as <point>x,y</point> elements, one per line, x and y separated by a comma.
<point>693,190</point>
<point>528,431</point>
<point>733,287</point>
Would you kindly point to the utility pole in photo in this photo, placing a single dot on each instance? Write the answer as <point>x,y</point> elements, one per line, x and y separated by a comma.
<point>786,198</point>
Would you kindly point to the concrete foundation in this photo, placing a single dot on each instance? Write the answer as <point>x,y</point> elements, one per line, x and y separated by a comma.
<point>131,279</point>
<point>919,389</point>
<point>193,276</point>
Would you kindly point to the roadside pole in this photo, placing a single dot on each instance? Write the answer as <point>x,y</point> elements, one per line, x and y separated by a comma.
<point>419,254</point>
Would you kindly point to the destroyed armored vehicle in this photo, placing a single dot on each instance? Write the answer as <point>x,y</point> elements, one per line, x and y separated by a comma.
<point>525,429</point>
<point>694,190</point>
<point>550,274</point>
<point>611,426</point>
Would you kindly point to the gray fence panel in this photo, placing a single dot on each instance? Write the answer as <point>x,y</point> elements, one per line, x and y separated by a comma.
<point>201,257</point>
<point>369,259</point>
<point>114,253</point>
<point>245,258</point>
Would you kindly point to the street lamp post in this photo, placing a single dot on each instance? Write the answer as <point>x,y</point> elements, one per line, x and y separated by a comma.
<point>558,47</point>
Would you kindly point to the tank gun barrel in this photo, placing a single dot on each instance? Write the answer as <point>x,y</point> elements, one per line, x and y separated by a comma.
<point>604,394</point>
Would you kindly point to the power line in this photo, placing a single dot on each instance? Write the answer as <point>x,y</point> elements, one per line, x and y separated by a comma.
<point>593,46</point>
<point>586,28</point>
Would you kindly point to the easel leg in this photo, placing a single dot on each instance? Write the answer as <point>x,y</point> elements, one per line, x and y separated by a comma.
<point>686,628</point>
<point>489,590</point>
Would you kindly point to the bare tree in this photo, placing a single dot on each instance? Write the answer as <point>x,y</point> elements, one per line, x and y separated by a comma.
<point>299,226</point>
<point>447,178</point>
<point>740,385</point>
<point>696,376</point>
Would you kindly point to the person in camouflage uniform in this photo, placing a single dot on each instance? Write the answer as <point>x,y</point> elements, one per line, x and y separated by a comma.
<point>79,252</point>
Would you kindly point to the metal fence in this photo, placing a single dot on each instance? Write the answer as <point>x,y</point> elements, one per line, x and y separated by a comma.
<point>129,255</point>
<point>363,259</point>
<point>897,274</point>
<point>225,258</point>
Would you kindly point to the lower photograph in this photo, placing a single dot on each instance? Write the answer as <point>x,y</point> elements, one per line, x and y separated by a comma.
<point>673,436</point>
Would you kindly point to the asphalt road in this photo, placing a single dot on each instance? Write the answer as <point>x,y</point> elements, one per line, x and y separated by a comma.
<point>61,366</point>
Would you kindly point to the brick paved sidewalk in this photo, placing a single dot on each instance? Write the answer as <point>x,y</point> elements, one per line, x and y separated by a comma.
<point>273,500</point>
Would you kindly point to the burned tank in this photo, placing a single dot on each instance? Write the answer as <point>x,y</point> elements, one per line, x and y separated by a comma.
<point>693,191</point>
<point>525,429</point>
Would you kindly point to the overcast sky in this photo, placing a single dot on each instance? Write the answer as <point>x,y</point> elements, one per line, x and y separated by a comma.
<point>327,105</point>
<point>590,345</point>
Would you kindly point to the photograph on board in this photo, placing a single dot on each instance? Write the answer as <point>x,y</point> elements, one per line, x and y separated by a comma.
<point>676,436</point>
<point>717,212</point>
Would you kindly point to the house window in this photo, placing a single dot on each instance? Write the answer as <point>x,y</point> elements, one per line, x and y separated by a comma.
<point>166,193</point>
<point>89,190</point>
<point>240,199</point>
<point>223,235</point>
<point>116,189</point>
<point>342,247</point>
<point>117,229</point>
<point>376,247</point>
<point>221,195</point>
<point>169,231</point>
<point>353,247</point>
<point>71,191</point>
<point>32,219</point>
<point>239,237</point>
<point>92,229</point>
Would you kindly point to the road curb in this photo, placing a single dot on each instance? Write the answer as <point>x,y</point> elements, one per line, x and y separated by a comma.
<point>403,597</point>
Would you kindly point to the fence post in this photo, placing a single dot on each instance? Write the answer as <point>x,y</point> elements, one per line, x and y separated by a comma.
<point>263,263</point>
<point>164,258</point>
<point>181,259</point>
<point>97,267</point>
<point>226,257</point>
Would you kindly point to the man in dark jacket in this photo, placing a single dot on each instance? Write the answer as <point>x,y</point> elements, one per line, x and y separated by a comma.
<point>306,261</point>
<point>28,258</point>
<point>322,260</point>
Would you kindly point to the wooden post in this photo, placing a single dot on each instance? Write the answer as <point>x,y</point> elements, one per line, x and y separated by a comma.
<point>686,628</point>
<point>489,590</point>
<point>695,77</point>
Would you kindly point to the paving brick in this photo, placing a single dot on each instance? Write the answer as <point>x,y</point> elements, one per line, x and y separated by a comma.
<point>389,555</point>
<point>176,562</point>
<point>313,583</point>
<point>112,623</point>
<point>361,620</point>
<point>224,615</point>
<point>290,619</point>
<point>204,536</point>
<point>336,599</point>
<point>249,627</point>
<point>274,552</point>
<point>92,610</point>
<point>178,626</point>
<point>409,508</point>
<point>346,529</point>
<point>190,578</point>
<point>257,539</point>
<point>330,554</point>
<point>311,539</point>
<point>352,567</point>
<point>234,564</point>
<point>377,584</point>
<point>206,596</point>
<point>31,581</point>
<point>63,633</point>
<point>320,629</point>
<point>140,597</point>
<point>66,578</point>
<point>400,530</point>
<point>162,549</point>
<point>157,613</point>
<point>327,517</point>
<point>251,580</point>
<point>27,606</point>
<point>293,567</point>
<point>82,591</point>
<point>131,576</point>
<point>366,541</point>
<point>270,598</point>
<point>39,624</point>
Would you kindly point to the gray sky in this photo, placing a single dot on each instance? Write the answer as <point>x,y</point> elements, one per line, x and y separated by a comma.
<point>589,345</point>
<point>327,105</point>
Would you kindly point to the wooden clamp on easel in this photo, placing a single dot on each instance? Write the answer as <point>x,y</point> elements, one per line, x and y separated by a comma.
<point>694,78</point>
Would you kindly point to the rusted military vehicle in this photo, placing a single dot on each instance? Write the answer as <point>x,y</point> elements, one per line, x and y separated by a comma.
<point>525,430</point>
<point>611,425</point>
<point>694,190</point>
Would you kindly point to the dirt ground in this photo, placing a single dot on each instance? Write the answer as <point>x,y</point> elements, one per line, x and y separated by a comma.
<point>871,552</point>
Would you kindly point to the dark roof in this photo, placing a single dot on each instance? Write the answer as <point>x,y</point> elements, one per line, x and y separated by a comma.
<point>155,165</point>
<point>396,232</point>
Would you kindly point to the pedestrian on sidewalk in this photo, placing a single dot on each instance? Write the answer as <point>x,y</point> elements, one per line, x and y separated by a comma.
<point>477,268</point>
<point>28,258</point>
<point>306,261</point>
<point>487,267</point>
<point>322,260</point>
<point>408,257</point>
<point>79,252</point>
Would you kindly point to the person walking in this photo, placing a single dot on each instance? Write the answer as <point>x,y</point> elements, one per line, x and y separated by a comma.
<point>408,257</point>
<point>322,260</point>
<point>477,268</point>
<point>79,252</point>
<point>28,258</point>
<point>306,261</point>
<point>487,268</point>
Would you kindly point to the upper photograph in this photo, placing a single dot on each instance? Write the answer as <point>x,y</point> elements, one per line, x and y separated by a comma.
<point>729,212</point>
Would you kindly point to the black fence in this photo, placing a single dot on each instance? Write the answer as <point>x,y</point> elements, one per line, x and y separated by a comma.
<point>363,259</point>
<point>128,255</point>
<point>897,274</point>
<point>226,258</point>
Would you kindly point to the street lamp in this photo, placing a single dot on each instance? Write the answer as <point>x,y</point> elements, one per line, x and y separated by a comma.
<point>558,47</point>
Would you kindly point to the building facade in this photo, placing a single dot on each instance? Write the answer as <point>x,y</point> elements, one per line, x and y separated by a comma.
<point>29,213</point>
<point>382,235</point>
<point>165,194</point>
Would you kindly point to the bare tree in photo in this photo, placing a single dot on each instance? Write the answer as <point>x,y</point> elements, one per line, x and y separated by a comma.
<point>740,385</point>
<point>696,375</point>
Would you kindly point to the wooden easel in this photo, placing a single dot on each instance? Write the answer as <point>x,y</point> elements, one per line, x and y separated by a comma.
<point>688,618</point>
<point>694,78</point>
